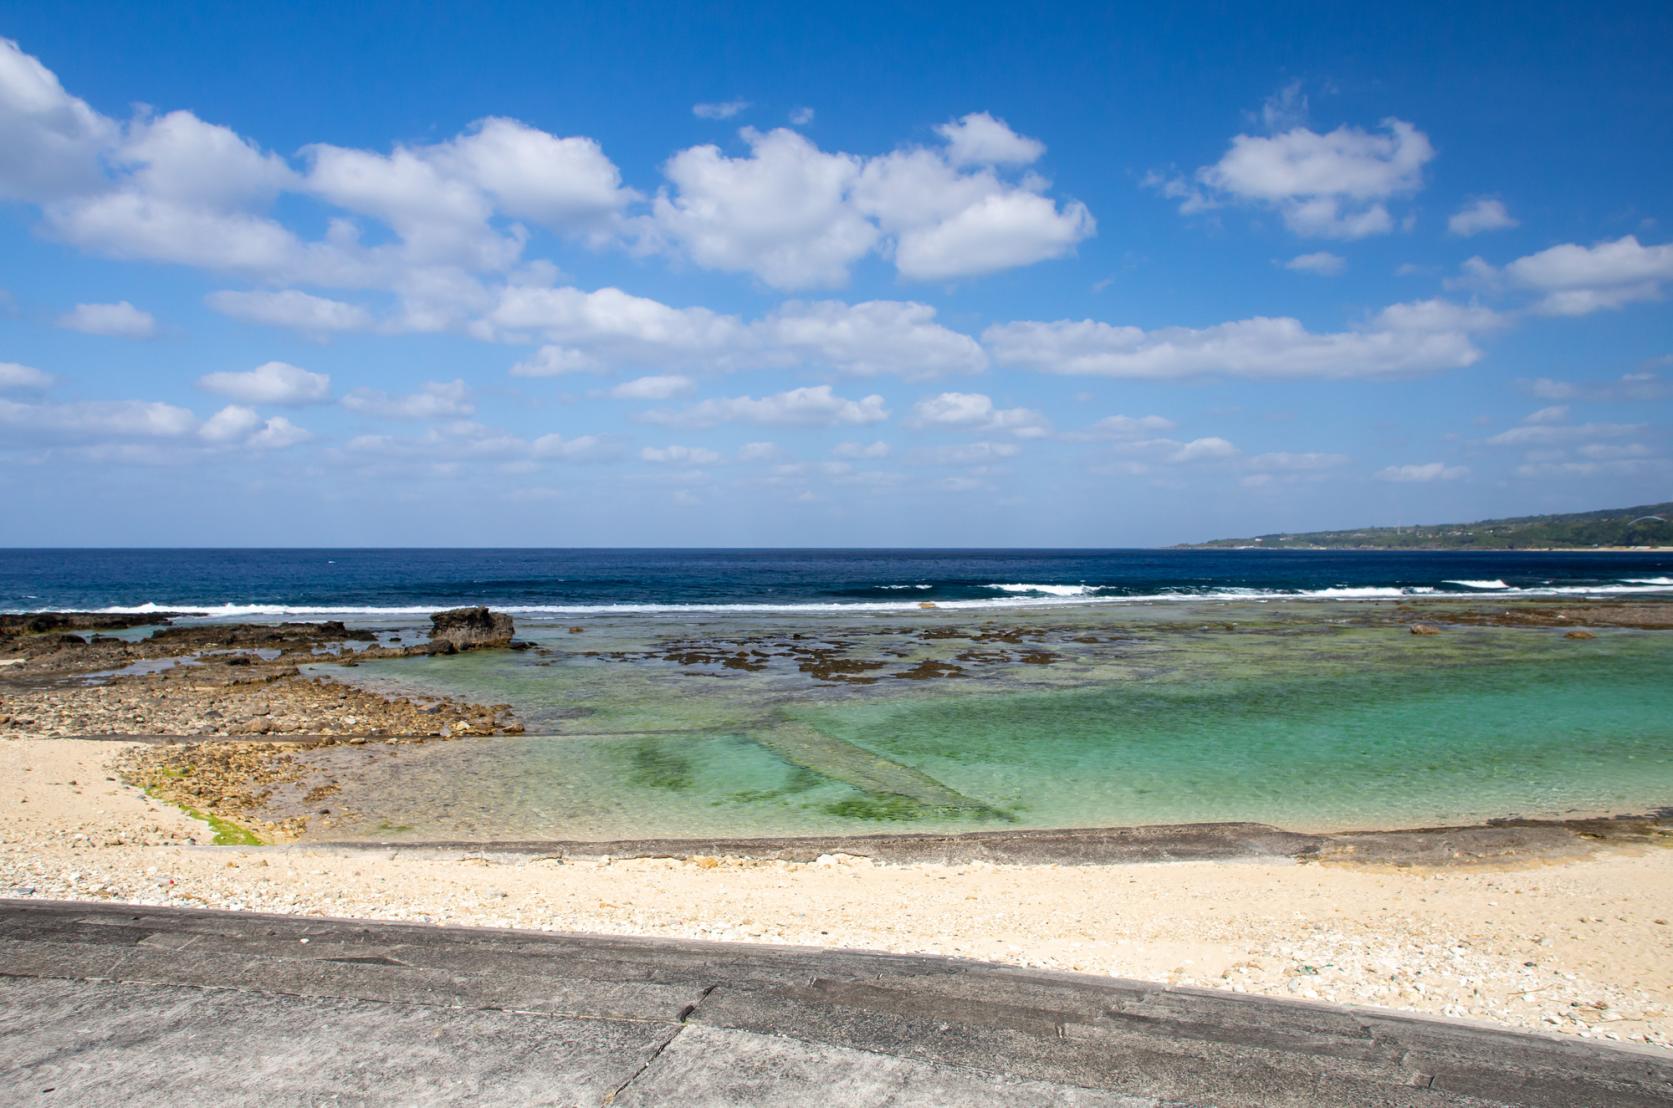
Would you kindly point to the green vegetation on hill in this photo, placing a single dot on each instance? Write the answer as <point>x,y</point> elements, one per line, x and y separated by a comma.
<point>1645,525</point>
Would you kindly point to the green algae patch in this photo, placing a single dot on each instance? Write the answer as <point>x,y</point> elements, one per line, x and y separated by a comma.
<point>655,766</point>
<point>889,808</point>
<point>227,833</point>
<point>878,809</point>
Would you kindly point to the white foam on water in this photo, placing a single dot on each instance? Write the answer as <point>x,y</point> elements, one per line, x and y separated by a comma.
<point>1665,581</point>
<point>1360,592</point>
<point>1018,596</point>
<point>1494,584</point>
<point>1047,590</point>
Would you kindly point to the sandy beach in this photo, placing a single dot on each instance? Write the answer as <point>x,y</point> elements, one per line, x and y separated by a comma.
<point>1579,947</point>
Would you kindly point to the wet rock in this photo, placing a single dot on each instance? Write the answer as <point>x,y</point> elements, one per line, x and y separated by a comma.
<point>824,667</point>
<point>222,635</point>
<point>1642,615</point>
<point>1425,629</point>
<point>39,623</point>
<point>929,669</point>
<point>469,629</point>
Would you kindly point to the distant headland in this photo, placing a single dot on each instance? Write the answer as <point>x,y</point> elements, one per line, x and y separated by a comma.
<point>1647,526</point>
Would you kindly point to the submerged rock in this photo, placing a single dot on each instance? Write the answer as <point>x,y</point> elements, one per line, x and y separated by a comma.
<point>1579,635</point>
<point>1425,629</point>
<point>929,669</point>
<point>469,629</point>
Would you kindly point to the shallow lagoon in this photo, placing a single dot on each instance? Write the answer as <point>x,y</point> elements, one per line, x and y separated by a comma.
<point>1305,715</point>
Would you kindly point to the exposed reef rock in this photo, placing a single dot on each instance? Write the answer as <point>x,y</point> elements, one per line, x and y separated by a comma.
<point>475,628</point>
<point>1643,615</point>
<point>39,623</point>
<point>220,636</point>
<point>930,669</point>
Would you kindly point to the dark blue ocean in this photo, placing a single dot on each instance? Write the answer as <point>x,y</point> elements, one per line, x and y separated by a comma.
<point>317,582</point>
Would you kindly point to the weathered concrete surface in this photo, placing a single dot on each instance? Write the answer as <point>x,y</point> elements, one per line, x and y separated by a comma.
<point>1495,842</point>
<point>104,1003</point>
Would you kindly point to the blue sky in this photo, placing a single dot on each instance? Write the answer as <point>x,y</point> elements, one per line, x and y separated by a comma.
<point>766,275</point>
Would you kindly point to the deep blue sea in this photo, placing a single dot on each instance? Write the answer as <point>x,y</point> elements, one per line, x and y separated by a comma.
<point>290,582</point>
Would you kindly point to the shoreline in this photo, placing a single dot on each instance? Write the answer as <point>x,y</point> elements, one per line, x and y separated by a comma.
<point>1536,924</point>
<point>1572,941</point>
<point>234,719</point>
<point>1508,840</point>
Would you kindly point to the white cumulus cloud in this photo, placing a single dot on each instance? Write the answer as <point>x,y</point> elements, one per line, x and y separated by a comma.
<point>1405,338</point>
<point>434,400</point>
<point>1574,280</point>
<point>974,411</point>
<point>1331,185</point>
<point>662,386</point>
<point>121,320</point>
<point>814,406</point>
<point>97,419</point>
<point>270,383</point>
<point>800,217</point>
<point>50,141</point>
<point>230,423</point>
<point>1486,214</point>
<point>980,139</point>
<point>277,433</point>
<point>1211,448</point>
<point>1321,263</point>
<point>16,376</point>
<point>610,329</point>
<point>301,311</point>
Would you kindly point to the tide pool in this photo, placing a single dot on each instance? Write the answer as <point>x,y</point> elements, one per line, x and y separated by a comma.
<point>1306,719</point>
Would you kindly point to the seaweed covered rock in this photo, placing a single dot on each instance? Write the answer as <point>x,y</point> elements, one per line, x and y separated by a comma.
<point>475,628</point>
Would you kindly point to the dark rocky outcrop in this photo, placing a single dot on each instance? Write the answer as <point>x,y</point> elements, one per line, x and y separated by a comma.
<point>282,635</point>
<point>39,623</point>
<point>475,628</point>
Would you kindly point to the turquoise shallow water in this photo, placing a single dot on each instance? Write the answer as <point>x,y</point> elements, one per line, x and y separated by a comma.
<point>1303,720</point>
<point>1365,749</point>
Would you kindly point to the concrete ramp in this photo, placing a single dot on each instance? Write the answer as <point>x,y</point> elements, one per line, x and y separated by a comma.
<point>107,1003</point>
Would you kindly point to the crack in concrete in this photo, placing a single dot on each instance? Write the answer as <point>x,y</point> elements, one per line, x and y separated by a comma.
<point>685,1015</point>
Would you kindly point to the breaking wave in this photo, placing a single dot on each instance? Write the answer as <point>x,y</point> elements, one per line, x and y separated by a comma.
<point>1047,590</point>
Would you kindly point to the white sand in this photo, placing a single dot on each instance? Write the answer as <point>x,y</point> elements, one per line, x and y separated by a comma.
<point>1454,942</point>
